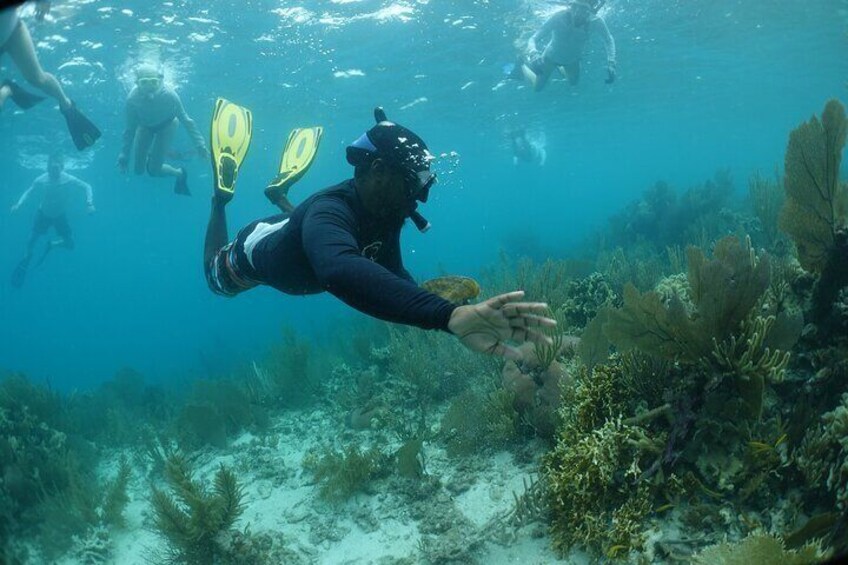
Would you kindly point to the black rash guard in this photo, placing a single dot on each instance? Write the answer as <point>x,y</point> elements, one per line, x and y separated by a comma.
<point>331,243</point>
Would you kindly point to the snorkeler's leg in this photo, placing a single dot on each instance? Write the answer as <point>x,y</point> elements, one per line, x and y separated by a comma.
<point>22,51</point>
<point>63,228</point>
<point>5,93</point>
<point>572,73</point>
<point>156,165</point>
<point>538,74</point>
<point>216,232</point>
<point>143,140</point>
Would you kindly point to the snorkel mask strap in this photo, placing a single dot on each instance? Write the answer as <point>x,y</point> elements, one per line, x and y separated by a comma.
<point>420,221</point>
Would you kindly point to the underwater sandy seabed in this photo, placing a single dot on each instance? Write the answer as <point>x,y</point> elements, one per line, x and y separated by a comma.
<point>465,514</point>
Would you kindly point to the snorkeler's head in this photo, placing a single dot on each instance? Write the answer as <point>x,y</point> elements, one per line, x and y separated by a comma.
<point>55,164</point>
<point>148,78</point>
<point>399,150</point>
<point>586,8</point>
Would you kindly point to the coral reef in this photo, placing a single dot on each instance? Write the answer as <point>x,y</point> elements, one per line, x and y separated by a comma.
<point>592,503</point>
<point>340,474</point>
<point>584,298</point>
<point>823,455</point>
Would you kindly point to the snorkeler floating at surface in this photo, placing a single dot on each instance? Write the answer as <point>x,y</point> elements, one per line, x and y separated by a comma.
<point>154,112</point>
<point>346,240</point>
<point>525,149</point>
<point>567,32</point>
<point>17,42</point>
<point>54,187</point>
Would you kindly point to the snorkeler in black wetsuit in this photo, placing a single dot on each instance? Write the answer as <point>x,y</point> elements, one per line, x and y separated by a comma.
<point>346,240</point>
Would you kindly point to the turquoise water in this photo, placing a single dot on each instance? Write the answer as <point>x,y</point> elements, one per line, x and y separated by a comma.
<point>701,87</point>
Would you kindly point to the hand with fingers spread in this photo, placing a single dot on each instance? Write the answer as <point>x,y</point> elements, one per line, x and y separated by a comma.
<point>488,326</point>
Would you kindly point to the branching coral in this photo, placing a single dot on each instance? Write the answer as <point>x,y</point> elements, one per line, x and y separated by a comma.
<point>344,473</point>
<point>750,362</point>
<point>823,454</point>
<point>192,520</point>
<point>591,495</point>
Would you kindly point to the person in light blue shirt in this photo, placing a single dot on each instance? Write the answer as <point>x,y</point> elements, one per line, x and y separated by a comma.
<point>55,189</point>
<point>153,114</point>
<point>560,42</point>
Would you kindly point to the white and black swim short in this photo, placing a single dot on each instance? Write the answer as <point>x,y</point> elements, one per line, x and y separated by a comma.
<point>231,270</point>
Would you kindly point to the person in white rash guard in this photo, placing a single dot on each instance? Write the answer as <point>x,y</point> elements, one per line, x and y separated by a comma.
<point>55,189</point>
<point>567,32</point>
<point>15,40</point>
<point>154,112</point>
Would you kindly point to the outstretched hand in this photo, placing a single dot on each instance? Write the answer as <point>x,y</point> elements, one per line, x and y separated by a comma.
<point>486,327</point>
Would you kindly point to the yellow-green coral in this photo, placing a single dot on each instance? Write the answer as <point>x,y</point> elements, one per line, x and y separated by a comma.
<point>750,362</point>
<point>758,549</point>
<point>823,454</point>
<point>591,495</point>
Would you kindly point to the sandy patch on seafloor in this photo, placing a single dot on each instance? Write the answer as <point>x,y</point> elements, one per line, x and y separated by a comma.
<point>380,527</point>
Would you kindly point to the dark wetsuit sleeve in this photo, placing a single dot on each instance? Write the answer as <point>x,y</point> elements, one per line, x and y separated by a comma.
<point>333,252</point>
<point>394,261</point>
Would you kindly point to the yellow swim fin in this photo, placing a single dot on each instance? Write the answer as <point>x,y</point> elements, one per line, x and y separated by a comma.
<point>298,155</point>
<point>232,128</point>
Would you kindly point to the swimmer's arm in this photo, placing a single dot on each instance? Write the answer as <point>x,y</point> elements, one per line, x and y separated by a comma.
<point>541,35</point>
<point>25,196</point>
<point>609,42</point>
<point>89,193</point>
<point>333,253</point>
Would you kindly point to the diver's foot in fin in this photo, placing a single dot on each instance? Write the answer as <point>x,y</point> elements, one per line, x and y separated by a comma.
<point>19,274</point>
<point>277,190</point>
<point>23,99</point>
<point>232,130</point>
<point>82,130</point>
<point>278,196</point>
<point>181,184</point>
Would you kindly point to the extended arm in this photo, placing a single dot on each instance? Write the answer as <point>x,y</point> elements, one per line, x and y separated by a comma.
<point>543,33</point>
<point>89,193</point>
<point>609,41</point>
<point>333,252</point>
<point>24,197</point>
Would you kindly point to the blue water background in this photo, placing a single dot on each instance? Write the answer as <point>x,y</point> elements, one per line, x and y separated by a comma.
<point>702,86</point>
